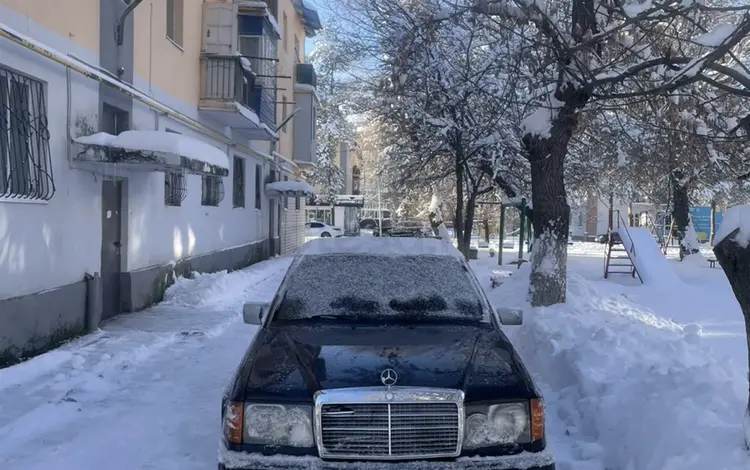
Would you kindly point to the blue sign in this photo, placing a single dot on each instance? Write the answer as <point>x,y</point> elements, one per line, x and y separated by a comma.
<point>701,217</point>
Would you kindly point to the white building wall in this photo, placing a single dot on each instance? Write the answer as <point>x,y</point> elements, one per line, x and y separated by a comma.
<point>157,233</point>
<point>44,245</point>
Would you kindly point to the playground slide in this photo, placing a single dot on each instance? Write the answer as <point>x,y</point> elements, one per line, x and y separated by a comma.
<point>647,258</point>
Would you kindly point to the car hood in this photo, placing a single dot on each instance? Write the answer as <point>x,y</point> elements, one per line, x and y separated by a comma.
<point>291,363</point>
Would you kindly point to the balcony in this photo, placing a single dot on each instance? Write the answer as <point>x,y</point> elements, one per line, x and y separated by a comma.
<point>229,96</point>
<point>305,147</point>
<point>305,74</point>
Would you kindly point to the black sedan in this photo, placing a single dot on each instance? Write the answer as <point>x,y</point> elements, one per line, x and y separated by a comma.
<point>381,353</point>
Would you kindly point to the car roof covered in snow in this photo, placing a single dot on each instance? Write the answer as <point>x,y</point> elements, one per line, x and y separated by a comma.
<point>381,246</point>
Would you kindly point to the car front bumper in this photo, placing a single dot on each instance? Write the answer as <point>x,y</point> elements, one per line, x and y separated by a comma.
<point>230,460</point>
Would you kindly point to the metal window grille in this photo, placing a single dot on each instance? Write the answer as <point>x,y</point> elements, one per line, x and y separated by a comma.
<point>25,165</point>
<point>175,189</point>
<point>238,182</point>
<point>213,191</point>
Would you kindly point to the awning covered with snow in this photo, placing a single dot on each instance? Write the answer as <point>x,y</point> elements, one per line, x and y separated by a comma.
<point>149,151</point>
<point>289,188</point>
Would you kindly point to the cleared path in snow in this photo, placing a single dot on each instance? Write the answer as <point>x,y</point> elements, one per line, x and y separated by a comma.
<point>144,392</point>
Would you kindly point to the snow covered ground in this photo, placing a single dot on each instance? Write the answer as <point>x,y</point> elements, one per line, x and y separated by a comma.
<point>144,392</point>
<point>631,381</point>
<point>635,377</point>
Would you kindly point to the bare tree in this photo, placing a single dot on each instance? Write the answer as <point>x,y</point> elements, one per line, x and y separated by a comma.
<point>594,53</point>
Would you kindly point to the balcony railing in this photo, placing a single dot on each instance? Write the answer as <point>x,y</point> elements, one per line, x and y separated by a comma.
<point>227,79</point>
<point>306,75</point>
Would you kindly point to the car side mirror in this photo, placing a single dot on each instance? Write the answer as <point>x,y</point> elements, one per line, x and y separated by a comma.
<point>510,316</point>
<point>252,312</point>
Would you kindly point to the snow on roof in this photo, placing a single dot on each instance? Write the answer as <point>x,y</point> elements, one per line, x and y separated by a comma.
<point>290,186</point>
<point>158,141</point>
<point>737,217</point>
<point>100,138</point>
<point>381,246</point>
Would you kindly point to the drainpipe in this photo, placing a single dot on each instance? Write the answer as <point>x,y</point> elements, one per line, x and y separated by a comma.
<point>124,88</point>
<point>93,301</point>
<point>120,25</point>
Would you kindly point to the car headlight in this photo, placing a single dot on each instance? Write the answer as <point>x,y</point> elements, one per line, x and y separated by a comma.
<point>278,425</point>
<point>491,425</point>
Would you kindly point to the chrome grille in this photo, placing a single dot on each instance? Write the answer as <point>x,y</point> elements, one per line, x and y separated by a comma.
<point>409,425</point>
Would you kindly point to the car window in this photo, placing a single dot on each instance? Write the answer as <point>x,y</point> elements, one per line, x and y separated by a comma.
<point>367,287</point>
<point>316,225</point>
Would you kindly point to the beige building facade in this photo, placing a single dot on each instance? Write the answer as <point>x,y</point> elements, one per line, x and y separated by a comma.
<point>139,141</point>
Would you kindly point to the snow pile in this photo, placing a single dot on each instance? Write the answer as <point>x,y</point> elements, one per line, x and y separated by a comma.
<point>436,207</point>
<point>625,388</point>
<point>737,217</point>
<point>219,291</point>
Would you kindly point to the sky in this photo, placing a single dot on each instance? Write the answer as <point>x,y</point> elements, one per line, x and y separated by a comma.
<point>321,7</point>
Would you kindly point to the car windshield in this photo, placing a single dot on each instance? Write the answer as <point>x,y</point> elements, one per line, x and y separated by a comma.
<point>391,288</point>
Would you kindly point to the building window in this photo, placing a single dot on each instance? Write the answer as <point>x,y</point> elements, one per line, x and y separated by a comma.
<point>175,189</point>
<point>258,183</point>
<point>260,50</point>
<point>175,12</point>
<point>283,113</point>
<point>286,199</point>
<point>238,182</point>
<point>297,203</point>
<point>284,40</point>
<point>213,190</point>
<point>25,167</point>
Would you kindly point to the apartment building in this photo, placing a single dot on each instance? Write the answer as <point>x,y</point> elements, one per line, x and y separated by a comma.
<point>589,218</point>
<point>139,140</point>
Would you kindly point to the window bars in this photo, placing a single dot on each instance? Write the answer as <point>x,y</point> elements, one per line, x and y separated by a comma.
<point>175,188</point>
<point>25,164</point>
<point>213,190</point>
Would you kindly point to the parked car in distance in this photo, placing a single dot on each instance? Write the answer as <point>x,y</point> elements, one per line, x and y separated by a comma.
<point>411,228</point>
<point>372,224</point>
<point>381,353</point>
<point>314,228</point>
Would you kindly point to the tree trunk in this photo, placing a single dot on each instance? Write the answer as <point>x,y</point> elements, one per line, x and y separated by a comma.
<point>551,227</point>
<point>681,209</point>
<point>458,225</point>
<point>735,261</point>
<point>471,205</point>
<point>548,279</point>
<point>486,224</point>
